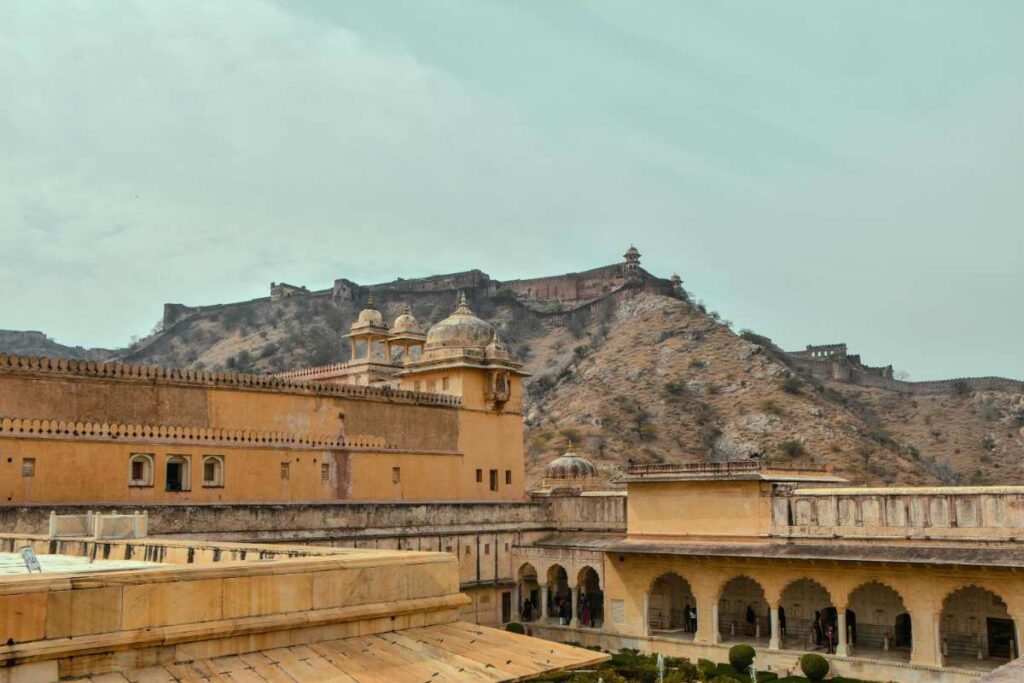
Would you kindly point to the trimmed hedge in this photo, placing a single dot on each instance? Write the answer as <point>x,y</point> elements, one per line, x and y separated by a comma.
<point>514,627</point>
<point>815,667</point>
<point>741,656</point>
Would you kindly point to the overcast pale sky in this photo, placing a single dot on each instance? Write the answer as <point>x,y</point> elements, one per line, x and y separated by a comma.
<point>816,171</point>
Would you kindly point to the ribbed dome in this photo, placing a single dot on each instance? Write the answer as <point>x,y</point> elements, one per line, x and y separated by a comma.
<point>570,466</point>
<point>406,322</point>
<point>462,329</point>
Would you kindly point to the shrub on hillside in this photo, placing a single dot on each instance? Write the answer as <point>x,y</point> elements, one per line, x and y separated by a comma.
<point>792,449</point>
<point>740,656</point>
<point>815,667</point>
<point>791,385</point>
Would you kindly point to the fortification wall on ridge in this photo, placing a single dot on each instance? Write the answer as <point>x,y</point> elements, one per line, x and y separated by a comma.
<point>848,368</point>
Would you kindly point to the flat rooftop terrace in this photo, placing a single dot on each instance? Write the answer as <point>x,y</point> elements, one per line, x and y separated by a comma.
<point>12,564</point>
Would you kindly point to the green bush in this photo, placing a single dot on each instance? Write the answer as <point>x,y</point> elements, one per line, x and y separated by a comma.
<point>514,627</point>
<point>705,669</point>
<point>740,656</point>
<point>815,667</point>
<point>791,385</point>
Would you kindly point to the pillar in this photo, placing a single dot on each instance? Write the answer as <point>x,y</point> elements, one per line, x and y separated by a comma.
<point>645,628</point>
<point>926,635</point>
<point>543,601</point>
<point>774,640</point>
<point>841,647</point>
<point>574,621</point>
<point>517,601</point>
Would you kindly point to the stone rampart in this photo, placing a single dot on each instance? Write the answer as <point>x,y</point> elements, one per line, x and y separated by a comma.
<point>830,362</point>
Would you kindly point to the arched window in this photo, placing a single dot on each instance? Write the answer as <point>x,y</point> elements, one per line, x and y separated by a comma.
<point>140,469</point>
<point>179,473</point>
<point>213,470</point>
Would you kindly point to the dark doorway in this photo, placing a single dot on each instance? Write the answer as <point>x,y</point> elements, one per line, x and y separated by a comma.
<point>1000,637</point>
<point>904,632</point>
<point>506,607</point>
<point>174,478</point>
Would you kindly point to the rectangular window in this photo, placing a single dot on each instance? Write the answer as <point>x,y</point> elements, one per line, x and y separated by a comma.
<point>28,467</point>
<point>506,547</point>
<point>447,548</point>
<point>209,472</point>
<point>138,470</point>
<point>479,476</point>
<point>286,470</point>
<point>325,471</point>
<point>445,384</point>
<point>431,386</point>
<point>487,548</point>
<point>468,550</point>
<point>416,386</point>
<point>396,475</point>
<point>494,480</point>
<point>508,477</point>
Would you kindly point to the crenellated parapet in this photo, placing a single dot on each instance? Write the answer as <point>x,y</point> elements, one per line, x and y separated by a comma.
<point>236,380</point>
<point>28,427</point>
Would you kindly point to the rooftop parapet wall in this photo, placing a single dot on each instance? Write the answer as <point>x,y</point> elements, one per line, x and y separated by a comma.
<point>307,521</point>
<point>233,380</point>
<point>984,514</point>
<point>22,427</point>
<point>205,604</point>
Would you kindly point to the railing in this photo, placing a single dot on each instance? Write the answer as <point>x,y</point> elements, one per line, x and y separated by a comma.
<point>713,468</point>
<point>99,526</point>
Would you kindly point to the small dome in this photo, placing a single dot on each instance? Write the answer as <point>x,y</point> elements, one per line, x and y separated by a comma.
<point>631,253</point>
<point>462,329</point>
<point>406,322</point>
<point>570,466</point>
<point>370,316</point>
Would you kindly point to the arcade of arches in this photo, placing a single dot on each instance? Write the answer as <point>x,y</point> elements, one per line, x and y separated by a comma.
<point>551,598</point>
<point>919,615</point>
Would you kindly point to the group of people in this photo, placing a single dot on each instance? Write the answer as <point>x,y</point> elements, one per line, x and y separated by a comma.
<point>561,606</point>
<point>825,629</point>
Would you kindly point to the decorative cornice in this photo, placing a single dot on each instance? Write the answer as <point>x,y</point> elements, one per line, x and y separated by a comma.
<point>26,427</point>
<point>10,364</point>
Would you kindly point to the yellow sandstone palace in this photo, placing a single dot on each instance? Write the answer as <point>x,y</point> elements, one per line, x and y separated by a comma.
<point>414,416</point>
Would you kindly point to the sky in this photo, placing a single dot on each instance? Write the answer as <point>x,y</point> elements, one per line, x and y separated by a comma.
<point>815,171</point>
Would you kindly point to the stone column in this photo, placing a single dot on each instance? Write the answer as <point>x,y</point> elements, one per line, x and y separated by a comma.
<point>645,628</point>
<point>543,601</point>
<point>773,642</point>
<point>517,601</point>
<point>926,647</point>
<point>575,620</point>
<point>841,647</point>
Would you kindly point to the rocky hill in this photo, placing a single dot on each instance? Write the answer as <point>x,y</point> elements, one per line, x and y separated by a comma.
<point>636,373</point>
